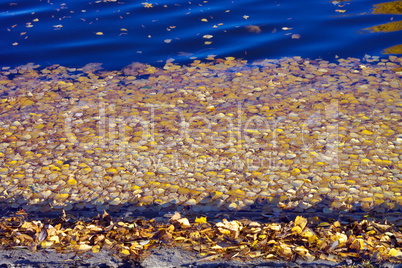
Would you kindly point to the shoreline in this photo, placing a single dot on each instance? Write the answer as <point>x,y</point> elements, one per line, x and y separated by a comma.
<point>292,160</point>
<point>167,241</point>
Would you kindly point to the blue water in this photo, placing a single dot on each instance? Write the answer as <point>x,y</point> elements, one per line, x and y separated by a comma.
<point>65,32</point>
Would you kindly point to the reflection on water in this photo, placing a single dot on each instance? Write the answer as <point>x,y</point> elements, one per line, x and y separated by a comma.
<point>394,8</point>
<point>76,32</point>
<point>387,27</point>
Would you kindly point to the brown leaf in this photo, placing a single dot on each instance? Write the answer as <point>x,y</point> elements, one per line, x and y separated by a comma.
<point>42,235</point>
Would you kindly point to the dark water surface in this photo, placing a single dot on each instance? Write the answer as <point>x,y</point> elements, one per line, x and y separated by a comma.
<point>116,33</point>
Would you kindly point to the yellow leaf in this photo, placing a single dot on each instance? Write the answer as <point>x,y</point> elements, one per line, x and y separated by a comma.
<point>274,226</point>
<point>26,102</point>
<point>195,235</point>
<point>297,230</point>
<point>72,181</point>
<point>61,196</point>
<point>201,220</point>
<point>310,235</point>
<point>46,244</point>
<point>302,251</point>
<point>96,249</point>
<point>366,132</point>
<point>125,252</point>
<point>227,227</point>
<point>301,222</point>
<point>54,238</point>
<point>147,5</point>
<point>393,252</point>
<point>83,247</point>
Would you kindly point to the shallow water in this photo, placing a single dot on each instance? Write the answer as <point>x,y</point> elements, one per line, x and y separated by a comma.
<point>74,33</point>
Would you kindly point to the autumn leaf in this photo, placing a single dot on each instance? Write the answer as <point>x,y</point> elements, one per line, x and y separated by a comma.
<point>201,220</point>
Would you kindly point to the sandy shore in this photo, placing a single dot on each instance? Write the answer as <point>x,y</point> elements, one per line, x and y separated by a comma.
<point>161,258</point>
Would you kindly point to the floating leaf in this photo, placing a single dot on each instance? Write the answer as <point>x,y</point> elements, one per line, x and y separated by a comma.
<point>208,36</point>
<point>176,216</point>
<point>253,29</point>
<point>147,5</point>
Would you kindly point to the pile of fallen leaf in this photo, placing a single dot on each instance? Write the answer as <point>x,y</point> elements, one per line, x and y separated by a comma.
<point>306,239</point>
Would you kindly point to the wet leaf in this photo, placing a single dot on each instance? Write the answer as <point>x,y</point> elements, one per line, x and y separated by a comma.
<point>176,216</point>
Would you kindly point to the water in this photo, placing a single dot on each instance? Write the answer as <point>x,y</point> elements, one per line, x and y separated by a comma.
<point>76,32</point>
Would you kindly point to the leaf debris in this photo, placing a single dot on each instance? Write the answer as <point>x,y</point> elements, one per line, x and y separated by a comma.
<point>299,239</point>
